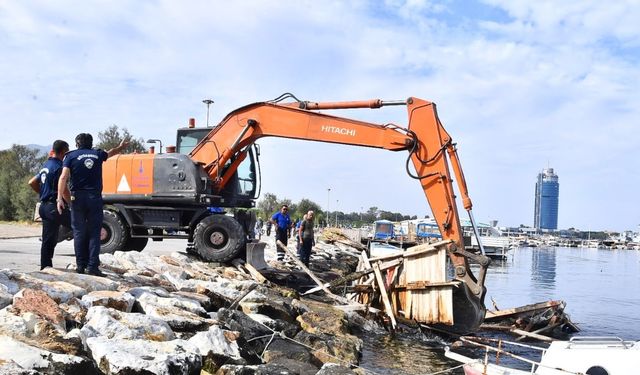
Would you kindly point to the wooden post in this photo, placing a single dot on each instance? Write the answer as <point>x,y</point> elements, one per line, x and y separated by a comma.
<point>385,296</point>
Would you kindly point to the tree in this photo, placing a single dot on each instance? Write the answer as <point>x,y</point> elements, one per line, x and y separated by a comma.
<point>307,205</point>
<point>112,137</point>
<point>268,205</point>
<point>17,200</point>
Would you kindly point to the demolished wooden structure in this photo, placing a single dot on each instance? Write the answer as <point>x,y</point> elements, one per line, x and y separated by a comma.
<point>408,284</point>
<point>539,321</point>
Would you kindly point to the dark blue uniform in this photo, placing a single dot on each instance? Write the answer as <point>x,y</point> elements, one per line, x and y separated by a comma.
<point>283,222</point>
<point>51,219</point>
<point>86,204</point>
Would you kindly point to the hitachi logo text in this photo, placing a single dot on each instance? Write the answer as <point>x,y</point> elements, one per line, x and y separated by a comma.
<point>336,130</point>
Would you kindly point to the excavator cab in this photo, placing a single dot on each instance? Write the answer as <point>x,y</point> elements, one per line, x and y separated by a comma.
<point>243,188</point>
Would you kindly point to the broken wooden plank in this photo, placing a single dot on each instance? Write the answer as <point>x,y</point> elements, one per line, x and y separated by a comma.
<point>421,285</point>
<point>257,276</point>
<point>541,330</point>
<point>413,251</point>
<point>531,335</point>
<point>385,295</point>
<point>312,275</point>
<point>514,312</point>
<point>353,276</point>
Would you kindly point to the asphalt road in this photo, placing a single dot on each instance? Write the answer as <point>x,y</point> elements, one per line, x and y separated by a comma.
<point>23,254</point>
<point>20,247</point>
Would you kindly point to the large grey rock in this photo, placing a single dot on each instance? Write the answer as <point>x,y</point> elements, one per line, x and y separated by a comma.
<point>122,301</point>
<point>114,324</point>
<point>335,369</point>
<point>133,260</point>
<point>139,290</point>
<point>74,310</point>
<point>267,369</point>
<point>130,357</point>
<point>145,299</point>
<point>6,284</point>
<point>84,281</point>
<point>59,291</point>
<point>217,342</point>
<point>203,300</point>
<point>12,324</point>
<point>196,268</point>
<point>288,329</point>
<point>182,314</point>
<point>281,348</point>
<point>12,368</point>
<point>239,321</point>
<point>5,299</point>
<point>30,357</point>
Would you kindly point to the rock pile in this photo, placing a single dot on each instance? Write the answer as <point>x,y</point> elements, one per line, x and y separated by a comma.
<point>169,315</point>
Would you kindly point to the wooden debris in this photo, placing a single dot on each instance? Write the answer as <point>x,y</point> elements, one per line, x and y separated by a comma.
<point>534,321</point>
<point>353,276</point>
<point>257,276</point>
<point>385,296</point>
<point>312,275</point>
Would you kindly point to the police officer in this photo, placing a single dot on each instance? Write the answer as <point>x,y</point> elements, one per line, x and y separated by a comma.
<point>46,184</point>
<point>83,167</point>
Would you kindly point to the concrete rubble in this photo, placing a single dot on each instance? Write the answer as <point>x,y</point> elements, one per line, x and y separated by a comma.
<point>176,315</point>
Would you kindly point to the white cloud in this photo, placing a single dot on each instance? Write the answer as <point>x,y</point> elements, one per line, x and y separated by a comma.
<point>551,82</point>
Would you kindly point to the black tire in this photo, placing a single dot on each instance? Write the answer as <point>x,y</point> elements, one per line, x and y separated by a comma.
<point>114,233</point>
<point>219,238</point>
<point>136,243</point>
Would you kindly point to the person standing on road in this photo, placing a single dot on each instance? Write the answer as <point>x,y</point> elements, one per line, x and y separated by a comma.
<point>282,221</point>
<point>305,232</point>
<point>46,184</point>
<point>83,168</point>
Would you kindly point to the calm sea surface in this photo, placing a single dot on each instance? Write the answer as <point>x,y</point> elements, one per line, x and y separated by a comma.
<point>601,289</point>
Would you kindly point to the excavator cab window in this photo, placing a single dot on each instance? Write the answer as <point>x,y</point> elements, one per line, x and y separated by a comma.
<point>243,188</point>
<point>188,138</point>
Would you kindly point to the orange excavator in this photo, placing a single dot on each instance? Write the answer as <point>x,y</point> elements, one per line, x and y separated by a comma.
<point>184,192</point>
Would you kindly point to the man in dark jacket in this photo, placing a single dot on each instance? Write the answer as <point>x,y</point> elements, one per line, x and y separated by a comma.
<point>45,183</point>
<point>83,167</point>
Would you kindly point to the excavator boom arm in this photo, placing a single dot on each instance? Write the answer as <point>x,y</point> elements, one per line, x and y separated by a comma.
<point>430,147</point>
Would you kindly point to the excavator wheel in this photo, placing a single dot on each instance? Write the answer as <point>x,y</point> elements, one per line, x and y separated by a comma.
<point>114,233</point>
<point>219,238</point>
<point>136,243</point>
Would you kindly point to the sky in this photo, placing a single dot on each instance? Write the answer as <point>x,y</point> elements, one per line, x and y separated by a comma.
<point>520,86</point>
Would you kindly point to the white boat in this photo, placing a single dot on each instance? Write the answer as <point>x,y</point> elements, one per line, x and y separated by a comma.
<point>580,355</point>
<point>378,249</point>
<point>494,243</point>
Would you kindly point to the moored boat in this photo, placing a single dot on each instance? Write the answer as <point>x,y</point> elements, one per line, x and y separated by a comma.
<point>580,355</point>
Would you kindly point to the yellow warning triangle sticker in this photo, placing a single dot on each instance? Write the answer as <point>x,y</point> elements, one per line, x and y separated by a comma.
<point>124,184</point>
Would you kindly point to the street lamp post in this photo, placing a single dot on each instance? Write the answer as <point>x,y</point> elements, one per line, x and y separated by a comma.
<point>336,213</point>
<point>328,192</point>
<point>208,102</point>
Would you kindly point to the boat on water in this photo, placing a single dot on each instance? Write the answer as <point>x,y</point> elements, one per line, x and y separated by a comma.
<point>580,355</point>
<point>494,243</point>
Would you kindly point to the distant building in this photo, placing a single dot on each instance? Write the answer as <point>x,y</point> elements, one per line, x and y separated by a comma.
<point>547,192</point>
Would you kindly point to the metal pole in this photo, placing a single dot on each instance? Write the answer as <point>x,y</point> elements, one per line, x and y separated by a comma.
<point>328,191</point>
<point>208,102</point>
<point>336,213</point>
<point>475,231</point>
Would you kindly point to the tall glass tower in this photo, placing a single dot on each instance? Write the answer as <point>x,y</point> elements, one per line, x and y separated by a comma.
<point>547,191</point>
